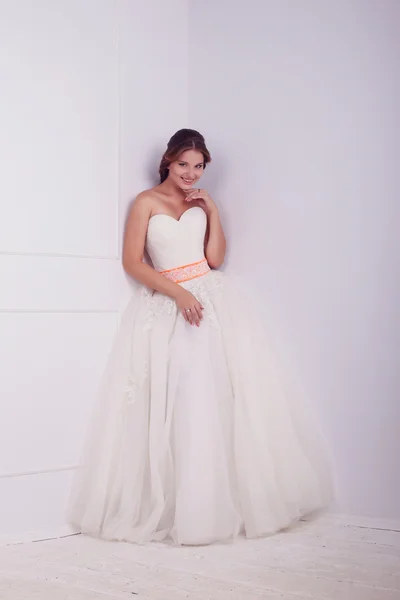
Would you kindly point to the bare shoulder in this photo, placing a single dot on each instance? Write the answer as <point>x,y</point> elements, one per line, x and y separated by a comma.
<point>145,199</point>
<point>143,203</point>
<point>149,201</point>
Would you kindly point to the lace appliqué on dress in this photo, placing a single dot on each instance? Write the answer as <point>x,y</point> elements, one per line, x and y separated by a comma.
<point>156,305</point>
<point>136,384</point>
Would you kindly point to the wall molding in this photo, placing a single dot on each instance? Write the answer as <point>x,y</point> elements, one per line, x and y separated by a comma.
<point>58,311</point>
<point>62,531</point>
<point>359,521</point>
<point>38,472</point>
<point>59,255</point>
<point>40,535</point>
<point>118,129</point>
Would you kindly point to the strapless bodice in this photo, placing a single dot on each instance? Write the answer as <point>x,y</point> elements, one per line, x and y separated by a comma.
<point>171,243</point>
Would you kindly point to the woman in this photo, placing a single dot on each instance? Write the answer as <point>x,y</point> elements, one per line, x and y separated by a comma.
<point>195,436</point>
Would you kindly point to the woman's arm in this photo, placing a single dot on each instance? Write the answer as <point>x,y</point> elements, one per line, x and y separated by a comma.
<point>214,243</point>
<point>133,251</point>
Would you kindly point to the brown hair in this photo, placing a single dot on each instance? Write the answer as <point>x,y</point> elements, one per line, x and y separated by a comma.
<point>184,139</point>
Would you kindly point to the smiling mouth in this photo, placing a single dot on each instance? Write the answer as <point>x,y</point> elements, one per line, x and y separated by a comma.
<point>187,181</point>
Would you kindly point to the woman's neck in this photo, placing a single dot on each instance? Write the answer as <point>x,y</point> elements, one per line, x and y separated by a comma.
<point>171,189</point>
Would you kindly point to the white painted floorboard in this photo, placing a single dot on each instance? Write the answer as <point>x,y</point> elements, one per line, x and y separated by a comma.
<point>320,560</point>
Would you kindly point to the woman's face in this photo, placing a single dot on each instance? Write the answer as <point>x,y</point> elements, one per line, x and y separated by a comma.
<point>187,169</point>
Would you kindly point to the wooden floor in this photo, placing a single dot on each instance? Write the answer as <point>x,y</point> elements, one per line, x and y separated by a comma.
<point>321,560</point>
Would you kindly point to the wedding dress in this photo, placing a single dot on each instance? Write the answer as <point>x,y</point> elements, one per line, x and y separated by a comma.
<point>196,434</point>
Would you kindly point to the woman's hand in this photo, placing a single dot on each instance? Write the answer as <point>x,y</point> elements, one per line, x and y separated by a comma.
<point>189,306</point>
<point>203,198</point>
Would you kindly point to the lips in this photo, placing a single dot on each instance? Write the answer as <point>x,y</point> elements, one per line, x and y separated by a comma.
<point>187,181</point>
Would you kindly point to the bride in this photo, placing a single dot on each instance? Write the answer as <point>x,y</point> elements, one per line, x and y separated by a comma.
<point>196,434</point>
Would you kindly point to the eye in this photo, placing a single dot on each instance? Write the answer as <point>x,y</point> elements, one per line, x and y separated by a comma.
<point>182,164</point>
<point>200,166</point>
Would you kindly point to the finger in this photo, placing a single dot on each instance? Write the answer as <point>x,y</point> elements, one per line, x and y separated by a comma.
<point>190,197</point>
<point>195,192</point>
<point>197,316</point>
<point>190,317</point>
<point>199,312</point>
<point>185,315</point>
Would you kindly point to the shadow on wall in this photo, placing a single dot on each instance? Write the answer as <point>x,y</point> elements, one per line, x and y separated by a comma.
<point>153,161</point>
<point>152,179</point>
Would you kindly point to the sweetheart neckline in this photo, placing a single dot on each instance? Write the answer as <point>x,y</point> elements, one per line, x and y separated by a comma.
<point>173,218</point>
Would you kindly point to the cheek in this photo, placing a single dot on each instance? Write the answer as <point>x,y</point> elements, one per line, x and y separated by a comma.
<point>177,171</point>
<point>174,171</point>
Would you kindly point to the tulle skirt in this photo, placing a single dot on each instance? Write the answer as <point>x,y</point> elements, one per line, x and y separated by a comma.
<point>198,434</point>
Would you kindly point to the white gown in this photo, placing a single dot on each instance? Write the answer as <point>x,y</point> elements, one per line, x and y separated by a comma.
<point>196,435</point>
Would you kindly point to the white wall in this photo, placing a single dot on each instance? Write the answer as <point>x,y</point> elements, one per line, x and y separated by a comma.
<point>299,101</point>
<point>90,92</point>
